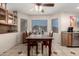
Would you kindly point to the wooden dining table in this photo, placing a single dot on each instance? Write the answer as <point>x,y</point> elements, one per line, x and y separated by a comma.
<point>39,38</point>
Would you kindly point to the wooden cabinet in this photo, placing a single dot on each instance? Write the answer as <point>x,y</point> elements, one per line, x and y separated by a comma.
<point>8,19</point>
<point>63,38</point>
<point>69,39</point>
<point>2,15</point>
<point>66,38</point>
<point>24,35</point>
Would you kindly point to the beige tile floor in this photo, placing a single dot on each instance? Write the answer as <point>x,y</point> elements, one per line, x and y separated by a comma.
<point>57,50</point>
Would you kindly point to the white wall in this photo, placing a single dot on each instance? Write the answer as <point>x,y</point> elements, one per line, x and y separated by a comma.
<point>65,20</point>
<point>7,41</point>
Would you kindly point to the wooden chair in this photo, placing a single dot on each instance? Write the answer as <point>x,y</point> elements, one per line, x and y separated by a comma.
<point>46,43</point>
<point>29,33</point>
<point>24,35</point>
<point>32,44</point>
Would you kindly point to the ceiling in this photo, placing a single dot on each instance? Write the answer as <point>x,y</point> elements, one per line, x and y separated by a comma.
<point>29,8</point>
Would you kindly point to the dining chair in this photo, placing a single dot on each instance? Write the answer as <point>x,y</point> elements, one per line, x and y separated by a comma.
<point>24,35</point>
<point>46,43</point>
<point>32,44</point>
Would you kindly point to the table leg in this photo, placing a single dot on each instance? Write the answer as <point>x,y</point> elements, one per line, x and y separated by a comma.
<point>28,48</point>
<point>42,48</point>
<point>37,49</point>
<point>50,45</point>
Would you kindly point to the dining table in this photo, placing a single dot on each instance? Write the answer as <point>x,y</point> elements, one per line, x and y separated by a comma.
<point>39,38</point>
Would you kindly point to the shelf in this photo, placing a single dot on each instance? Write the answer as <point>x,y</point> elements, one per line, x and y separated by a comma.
<point>2,18</point>
<point>2,9</point>
<point>10,13</point>
<point>8,24</point>
<point>7,21</point>
<point>9,32</point>
<point>10,18</point>
<point>12,24</point>
<point>2,14</point>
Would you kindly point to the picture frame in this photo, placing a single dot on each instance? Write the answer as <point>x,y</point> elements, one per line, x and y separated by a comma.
<point>73,21</point>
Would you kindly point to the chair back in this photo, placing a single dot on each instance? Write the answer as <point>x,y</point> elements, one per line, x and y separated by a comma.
<point>24,35</point>
<point>51,34</point>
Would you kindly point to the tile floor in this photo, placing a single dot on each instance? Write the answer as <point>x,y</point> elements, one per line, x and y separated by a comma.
<point>57,50</point>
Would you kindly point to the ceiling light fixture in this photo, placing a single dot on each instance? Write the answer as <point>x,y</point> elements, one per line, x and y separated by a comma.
<point>38,8</point>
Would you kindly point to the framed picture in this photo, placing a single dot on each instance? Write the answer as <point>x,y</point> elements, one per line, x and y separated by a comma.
<point>73,21</point>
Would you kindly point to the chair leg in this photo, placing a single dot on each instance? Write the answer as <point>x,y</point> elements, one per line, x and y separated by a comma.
<point>32,50</point>
<point>42,49</point>
<point>37,49</point>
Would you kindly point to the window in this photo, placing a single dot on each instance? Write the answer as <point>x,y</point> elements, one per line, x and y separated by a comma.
<point>55,25</point>
<point>39,26</point>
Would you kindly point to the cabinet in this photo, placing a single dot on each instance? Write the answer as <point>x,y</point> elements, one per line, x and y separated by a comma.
<point>63,38</point>
<point>70,38</point>
<point>3,16</point>
<point>66,38</point>
<point>75,39</point>
<point>8,19</point>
